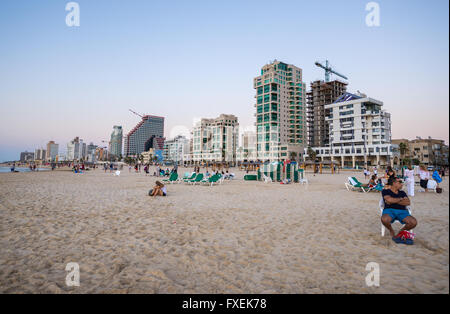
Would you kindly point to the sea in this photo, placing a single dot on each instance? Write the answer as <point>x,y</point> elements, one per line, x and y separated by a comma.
<point>20,169</point>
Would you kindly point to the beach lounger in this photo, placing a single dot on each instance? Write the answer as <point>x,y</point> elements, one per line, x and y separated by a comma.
<point>211,180</point>
<point>354,184</point>
<point>173,178</point>
<point>381,206</point>
<point>185,177</point>
<point>197,179</point>
<point>191,178</point>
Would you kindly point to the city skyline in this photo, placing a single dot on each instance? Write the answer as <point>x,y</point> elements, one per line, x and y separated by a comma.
<point>191,62</point>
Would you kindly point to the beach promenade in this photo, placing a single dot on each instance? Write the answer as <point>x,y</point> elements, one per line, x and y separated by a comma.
<point>238,237</point>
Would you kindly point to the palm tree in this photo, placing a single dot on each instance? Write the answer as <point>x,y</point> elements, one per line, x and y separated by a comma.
<point>403,149</point>
<point>312,155</point>
<point>293,156</point>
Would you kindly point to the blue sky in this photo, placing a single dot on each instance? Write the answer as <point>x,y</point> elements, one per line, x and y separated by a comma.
<point>190,59</point>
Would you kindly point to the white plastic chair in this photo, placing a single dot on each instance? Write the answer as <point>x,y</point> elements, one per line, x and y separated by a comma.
<point>432,185</point>
<point>303,179</point>
<point>381,206</point>
<point>267,179</point>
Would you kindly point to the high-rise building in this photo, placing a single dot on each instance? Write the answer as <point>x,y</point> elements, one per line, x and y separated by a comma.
<point>175,149</point>
<point>142,136</point>
<point>280,112</point>
<point>101,153</point>
<point>321,94</point>
<point>216,139</point>
<point>52,151</point>
<point>26,156</point>
<point>39,154</point>
<point>90,152</point>
<point>116,141</point>
<point>76,149</point>
<point>360,133</point>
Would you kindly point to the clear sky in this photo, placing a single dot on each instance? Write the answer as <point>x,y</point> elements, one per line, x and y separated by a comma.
<point>190,59</point>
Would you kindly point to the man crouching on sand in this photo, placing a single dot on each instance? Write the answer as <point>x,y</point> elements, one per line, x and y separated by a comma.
<point>158,190</point>
<point>395,202</point>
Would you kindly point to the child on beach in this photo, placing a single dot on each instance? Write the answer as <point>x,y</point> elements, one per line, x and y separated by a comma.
<point>158,190</point>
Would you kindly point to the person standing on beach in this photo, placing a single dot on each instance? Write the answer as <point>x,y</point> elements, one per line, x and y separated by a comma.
<point>395,202</point>
<point>424,176</point>
<point>409,174</point>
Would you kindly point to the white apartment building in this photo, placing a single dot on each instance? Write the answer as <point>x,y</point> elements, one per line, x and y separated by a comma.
<point>280,112</point>
<point>360,133</point>
<point>76,149</point>
<point>175,149</point>
<point>39,154</point>
<point>247,149</point>
<point>215,140</point>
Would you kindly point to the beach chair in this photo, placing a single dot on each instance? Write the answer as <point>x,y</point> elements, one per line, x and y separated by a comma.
<point>211,180</point>
<point>117,173</point>
<point>173,178</point>
<point>197,179</point>
<point>432,185</point>
<point>381,206</point>
<point>304,180</point>
<point>267,179</point>
<point>192,177</point>
<point>185,177</point>
<point>354,184</point>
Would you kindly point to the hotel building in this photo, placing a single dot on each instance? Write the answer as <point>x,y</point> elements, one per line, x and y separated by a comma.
<point>280,112</point>
<point>149,133</point>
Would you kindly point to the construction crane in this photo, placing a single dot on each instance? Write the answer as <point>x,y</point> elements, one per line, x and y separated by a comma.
<point>329,70</point>
<point>140,115</point>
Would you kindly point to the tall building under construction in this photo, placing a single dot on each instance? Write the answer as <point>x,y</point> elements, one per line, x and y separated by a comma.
<point>321,94</point>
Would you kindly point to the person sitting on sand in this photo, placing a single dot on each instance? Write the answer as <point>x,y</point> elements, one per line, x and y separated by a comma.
<point>372,182</point>
<point>395,202</point>
<point>159,190</point>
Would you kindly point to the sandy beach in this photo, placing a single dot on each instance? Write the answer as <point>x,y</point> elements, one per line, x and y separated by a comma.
<point>238,237</point>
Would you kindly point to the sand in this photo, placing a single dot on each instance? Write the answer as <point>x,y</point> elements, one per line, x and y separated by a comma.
<point>239,237</point>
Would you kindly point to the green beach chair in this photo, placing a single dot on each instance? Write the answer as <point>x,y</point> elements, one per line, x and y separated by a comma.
<point>173,178</point>
<point>211,180</point>
<point>197,179</point>
<point>354,184</point>
<point>191,178</point>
